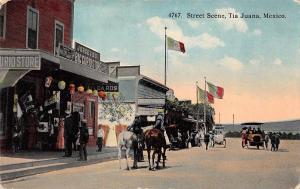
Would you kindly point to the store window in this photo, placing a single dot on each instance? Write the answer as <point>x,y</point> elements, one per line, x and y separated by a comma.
<point>2,21</point>
<point>32,28</point>
<point>59,35</point>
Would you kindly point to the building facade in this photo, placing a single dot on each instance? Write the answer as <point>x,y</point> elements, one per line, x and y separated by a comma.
<point>147,94</point>
<point>42,74</point>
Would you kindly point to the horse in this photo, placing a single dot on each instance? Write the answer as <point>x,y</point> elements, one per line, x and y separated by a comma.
<point>155,140</point>
<point>127,140</point>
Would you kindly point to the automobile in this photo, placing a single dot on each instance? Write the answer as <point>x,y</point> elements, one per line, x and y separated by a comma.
<point>254,135</point>
<point>218,136</point>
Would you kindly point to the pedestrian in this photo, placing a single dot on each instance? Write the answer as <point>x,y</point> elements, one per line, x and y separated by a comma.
<point>75,129</point>
<point>267,138</point>
<point>68,134</point>
<point>272,137</point>
<point>83,140</point>
<point>100,135</point>
<point>31,128</point>
<point>206,140</point>
<point>277,141</point>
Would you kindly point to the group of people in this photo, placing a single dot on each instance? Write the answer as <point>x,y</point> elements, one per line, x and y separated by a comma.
<point>275,140</point>
<point>274,137</point>
<point>76,134</point>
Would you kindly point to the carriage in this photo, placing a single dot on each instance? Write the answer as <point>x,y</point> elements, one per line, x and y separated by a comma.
<point>218,136</point>
<point>254,134</point>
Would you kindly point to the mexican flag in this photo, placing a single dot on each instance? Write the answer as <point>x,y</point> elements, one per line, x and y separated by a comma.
<point>175,45</point>
<point>216,91</point>
<point>203,95</point>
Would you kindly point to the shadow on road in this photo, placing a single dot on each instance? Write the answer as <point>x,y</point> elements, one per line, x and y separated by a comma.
<point>282,150</point>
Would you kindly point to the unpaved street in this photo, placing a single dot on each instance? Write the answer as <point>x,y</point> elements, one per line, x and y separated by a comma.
<point>231,167</point>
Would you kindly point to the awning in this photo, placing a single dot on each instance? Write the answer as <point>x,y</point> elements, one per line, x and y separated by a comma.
<point>8,78</point>
<point>16,63</point>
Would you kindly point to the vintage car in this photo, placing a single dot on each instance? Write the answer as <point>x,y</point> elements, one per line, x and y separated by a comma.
<point>218,136</point>
<point>254,135</point>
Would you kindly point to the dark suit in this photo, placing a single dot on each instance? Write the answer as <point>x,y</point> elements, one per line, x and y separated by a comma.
<point>68,136</point>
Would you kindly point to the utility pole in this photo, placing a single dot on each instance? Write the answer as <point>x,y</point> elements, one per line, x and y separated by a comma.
<point>233,119</point>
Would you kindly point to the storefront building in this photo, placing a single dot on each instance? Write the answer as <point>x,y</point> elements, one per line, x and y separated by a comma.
<point>41,74</point>
<point>138,95</point>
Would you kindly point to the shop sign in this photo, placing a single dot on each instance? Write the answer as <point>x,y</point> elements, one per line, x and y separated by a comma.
<point>20,62</point>
<point>85,51</point>
<point>66,52</point>
<point>109,87</point>
<point>84,56</point>
<point>150,101</point>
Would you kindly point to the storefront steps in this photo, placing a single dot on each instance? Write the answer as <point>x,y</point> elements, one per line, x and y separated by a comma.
<point>27,168</point>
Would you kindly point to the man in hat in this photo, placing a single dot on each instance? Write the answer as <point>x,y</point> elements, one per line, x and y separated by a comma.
<point>136,128</point>
<point>68,134</point>
<point>159,124</point>
<point>136,125</point>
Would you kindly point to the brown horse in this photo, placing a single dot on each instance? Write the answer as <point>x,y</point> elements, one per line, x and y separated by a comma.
<point>155,140</point>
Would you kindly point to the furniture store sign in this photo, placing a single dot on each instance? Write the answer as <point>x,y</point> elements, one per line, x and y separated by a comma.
<point>20,62</point>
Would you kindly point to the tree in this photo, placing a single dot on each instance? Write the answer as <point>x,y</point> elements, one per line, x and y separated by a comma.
<point>198,113</point>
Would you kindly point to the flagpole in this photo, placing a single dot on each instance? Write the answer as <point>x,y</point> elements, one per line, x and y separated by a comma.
<point>197,96</point>
<point>205,130</point>
<point>165,55</point>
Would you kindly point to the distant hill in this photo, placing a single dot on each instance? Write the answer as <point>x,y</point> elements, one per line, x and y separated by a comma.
<point>282,126</point>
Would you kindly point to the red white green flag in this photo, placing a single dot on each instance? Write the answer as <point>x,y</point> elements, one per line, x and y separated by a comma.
<point>204,95</point>
<point>175,45</point>
<point>216,91</point>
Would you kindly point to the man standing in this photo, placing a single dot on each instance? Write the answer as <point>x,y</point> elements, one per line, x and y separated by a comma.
<point>206,140</point>
<point>100,135</point>
<point>83,140</point>
<point>68,134</point>
<point>267,138</point>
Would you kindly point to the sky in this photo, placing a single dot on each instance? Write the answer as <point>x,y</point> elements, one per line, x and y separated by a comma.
<point>255,60</point>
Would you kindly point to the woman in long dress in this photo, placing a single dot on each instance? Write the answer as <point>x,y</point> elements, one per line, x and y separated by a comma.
<point>111,140</point>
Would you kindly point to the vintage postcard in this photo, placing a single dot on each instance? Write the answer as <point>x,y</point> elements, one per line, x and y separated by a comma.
<point>149,94</point>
